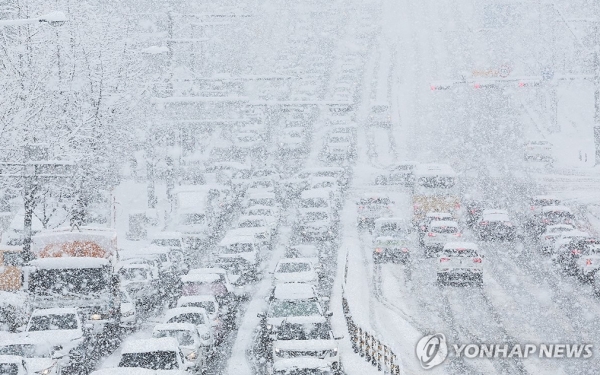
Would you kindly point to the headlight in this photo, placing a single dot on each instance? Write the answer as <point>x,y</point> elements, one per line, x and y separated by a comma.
<point>269,327</point>
<point>96,317</point>
<point>192,356</point>
<point>45,371</point>
<point>205,336</point>
<point>277,351</point>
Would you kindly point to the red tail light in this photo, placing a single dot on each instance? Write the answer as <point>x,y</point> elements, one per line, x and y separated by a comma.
<point>575,252</point>
<point>405,250</point>
<point>423,227</point>
<point>472,211</point>
<point>588,262</point>
<point>361,207</point>
<point>483,223</point>
<point>378,250</point>
<point>545,221</point>
<point>457,206</point>
<point>458,234</point>
<point>431,234</point>
<point>477,260</point>
<point>548,237</point>
<point>532,208</point>
<point>444,260</point>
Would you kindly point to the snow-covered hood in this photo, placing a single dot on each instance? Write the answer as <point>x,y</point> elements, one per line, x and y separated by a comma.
<point>66,338</point>
<point>249,257</point>
<point>37,365</point>
<point>295,277</point>
<point>305,345</point>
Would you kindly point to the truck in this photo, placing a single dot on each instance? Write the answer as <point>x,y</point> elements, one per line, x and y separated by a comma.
<point>435,189</point>
<point>76,268</point>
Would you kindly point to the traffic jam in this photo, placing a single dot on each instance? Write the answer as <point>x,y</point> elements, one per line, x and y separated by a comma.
<point>298,200</point>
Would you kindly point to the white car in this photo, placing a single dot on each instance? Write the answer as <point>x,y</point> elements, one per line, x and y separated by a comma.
<point>296,270</point>
<point>460,261</point>
<point>190,343</point>
<point>161,355</point>
<point>209,303</point>
<point>239,253</point>
<point>327,183</point>
<point>129,317</point>
<point>124,371</point>
<point>138,280</point>
<point>380,115</point>
<point>55,328</point>
<point>588,262</point>
<point>338,146</point>
<point>373,206</point>
<point>269,173</point>
<point>495,225</point>
<point>317,198</point>
<point>316,224</point>
<point>399,174</point>
<point>250,221</point>
<point>13,365</point>
<point>292,300</point>
<point>439,233</point>
<point>423,226</point>
<point>540,150</point>
<point>306,338</point>
<point>268,213</point>
<point>262,199</point>
<point>537,202</point>
<point>196,316</point>
<point>18,365</point>
<point>310,252</point>
<point>293,139</point>
<point>548,238</point>
<point>248,140</point>
<point>258,186</point>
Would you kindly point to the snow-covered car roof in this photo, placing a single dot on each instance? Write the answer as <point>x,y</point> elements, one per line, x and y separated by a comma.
<point>69,263</point>
<point>216,270</point>
<point>461,245</point>
<point>150,345</point>
<point>306,211</point>
<point>556,209</point>
<point>443,223</point>
<point>200,278</point>
<point>387,240</point>
<point>176,311</point>
<point>294,291</point>
<point>175,327</point>
<point>197,298</point>
<point>288,364</point>
<point>374,195</point>
<point>382,220</point>
<point>315,193</point>
<point>54,311</point>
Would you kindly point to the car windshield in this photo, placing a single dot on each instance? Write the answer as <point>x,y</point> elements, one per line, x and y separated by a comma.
<point>9,369</point>
<point>242,175</point>
<point>461,253</point>
<point>312,331</point>
<point>191,219</point>
<point>209,306</point>
<point>338,139</point>
<point>238,248</point>
<point>437,182</point>
<point>263,173</point>
<point>379,108</point>
<point>251,224</point>
<point>247,138</point>
<point>194,318</point>
<point>325,184</point>
<point>313,203</point>
<point>64,281</point>
<point>22,350</point>
<point>281,309</point>
<point>262,202</point>
<point>200,288</point>
<point>293,267</point>
<point>159,360</point>
<point>52,322</point>
<point>375,201</point>
<point>167,242</point>
<point>133,274</point>
<point>184,338</point>
<point>448,229</point>
<point>261,184</point>
<point>259,212</point>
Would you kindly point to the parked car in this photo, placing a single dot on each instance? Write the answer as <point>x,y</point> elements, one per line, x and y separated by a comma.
<point>161,354</point>
<point>191,345</point>
<point>296,270</point>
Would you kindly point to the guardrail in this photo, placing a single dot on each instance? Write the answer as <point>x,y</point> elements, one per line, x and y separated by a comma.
<point>366,344</point>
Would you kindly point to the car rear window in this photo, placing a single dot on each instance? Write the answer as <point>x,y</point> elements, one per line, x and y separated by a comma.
<point>444,229</point>
<point>462,253</point>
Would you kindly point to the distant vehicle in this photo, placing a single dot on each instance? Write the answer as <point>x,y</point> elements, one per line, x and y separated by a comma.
<point>292,300</point>
<point>270,215</point>
<point>548,238</point>
<point>537,202</point>
<point>371,207</point>
<point>258,222</point>
<point>240,254</point>
<point>307,338</point>
<point>13,365</point>
<point>196,316</point>
<point>262,185</point>
<point>139,281</point>
<point>395,249</point>
<point>310,252</point>
<point>461,262</point>
<point>391,227</point>
<point>438,234</point>
<point>249,141</point>
<point>538,150</point>
<point>423,225</point>
<point>551,215</point>
<point>400,174</point>
<point>11,267</point>
<point>161,355</point>
<point>318,198</point>
<point>496,225</point>
<point>327,183</point>
<point>339,146</point>
<point>380,114</point>
<point>190,343</point>
<point>316,224</point>
<point>296,270</point>
<point>293,140</point>
<point>262,199</point>
<point>209,303</point>
<point>129,318</point>
<point>435,190</point>
<point>588,262</point>
<point>568,249</point>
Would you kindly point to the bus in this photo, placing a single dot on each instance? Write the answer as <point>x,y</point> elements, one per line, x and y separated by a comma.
<point>435,190</point>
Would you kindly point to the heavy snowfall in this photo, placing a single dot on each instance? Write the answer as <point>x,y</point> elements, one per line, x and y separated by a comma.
<point>346,187</point>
